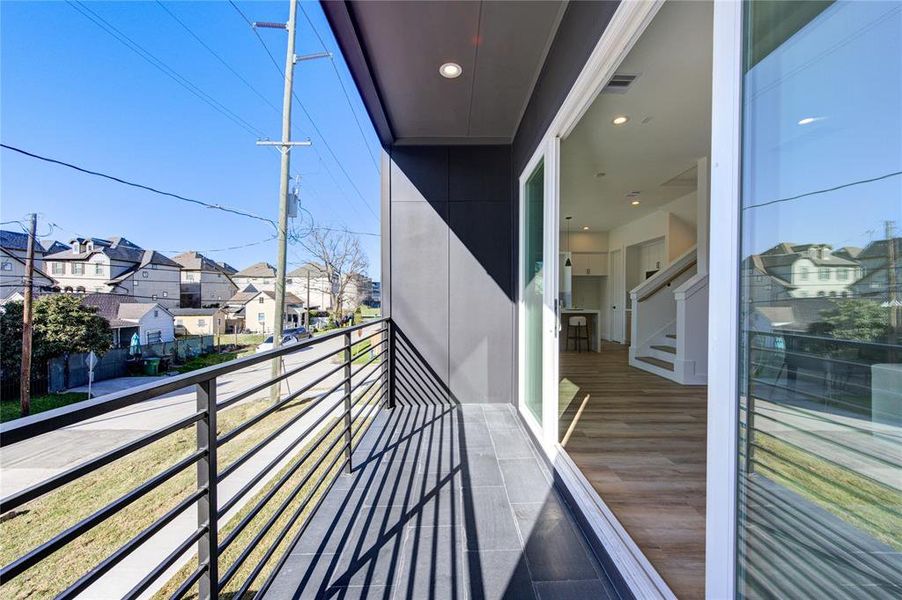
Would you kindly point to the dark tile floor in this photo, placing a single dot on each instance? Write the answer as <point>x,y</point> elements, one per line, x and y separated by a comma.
<point>444,502</point>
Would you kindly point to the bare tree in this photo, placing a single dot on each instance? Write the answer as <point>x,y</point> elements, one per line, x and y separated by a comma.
<point>340,261</point>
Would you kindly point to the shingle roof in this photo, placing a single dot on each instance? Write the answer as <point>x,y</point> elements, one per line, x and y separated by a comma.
<point>195,261</point>
<point>314,269</point>
<point>289,297</point>
<point>260,269</point>
<point>880,248</point>
<point>120,311</point>
<point>244,295</point>
<point>14,240</point>
<point>187,312</point>
<point>226,268</point>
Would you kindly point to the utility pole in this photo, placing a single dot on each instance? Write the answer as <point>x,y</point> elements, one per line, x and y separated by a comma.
<point>25,374</point>
<point>890,233</point>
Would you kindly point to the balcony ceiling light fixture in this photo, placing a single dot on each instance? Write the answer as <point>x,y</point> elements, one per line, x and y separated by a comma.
<point>620,120</point>
<point>450,70</point>
<point>635,203</point>
<point>585,228</point>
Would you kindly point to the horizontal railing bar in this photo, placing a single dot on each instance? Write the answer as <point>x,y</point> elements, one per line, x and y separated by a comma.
<point>364,366</point>
<point>262,473</point>
<point>262,386</point>
<point>828,440</point>
<point>813,396</point>
<point>827,340</point>
<point>252,545</point>
<point>170,560</point>
<point>124,550</point>
<point>263,443</point>
<point>227,437</point>
<point>372,335</point>
<point>363,395</point>
<point>27,561</point>
<point>57,481</point>
<point>189,583</point>
<point>31,426</point>
<point>284,532</point>
<point>277,486</point>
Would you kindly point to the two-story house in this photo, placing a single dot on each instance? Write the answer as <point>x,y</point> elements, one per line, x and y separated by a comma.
<point>813,270</point>
<point>881,277</point>
<point>204,282</point>
<point>261,275</point>
<point>258,309</point>
<point>116,266</point>
<point>13,250</point>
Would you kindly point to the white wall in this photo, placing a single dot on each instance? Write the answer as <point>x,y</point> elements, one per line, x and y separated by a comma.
<point>161,322</point>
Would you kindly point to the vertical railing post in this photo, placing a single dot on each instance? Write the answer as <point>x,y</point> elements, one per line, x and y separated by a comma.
<point>348,435</point>
<point>208,545</point>
<point>390,363</point>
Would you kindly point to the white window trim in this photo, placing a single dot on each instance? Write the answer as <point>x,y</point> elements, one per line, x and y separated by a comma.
<point>723,316</point>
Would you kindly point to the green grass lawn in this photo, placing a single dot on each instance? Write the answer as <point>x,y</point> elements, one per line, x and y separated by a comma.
<point>242,339</point>
<point>9,409</point>
<point>207,360</point>
<point>860,501</point>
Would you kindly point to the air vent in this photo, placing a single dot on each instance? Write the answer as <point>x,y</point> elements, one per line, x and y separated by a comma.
<point>619,83</point>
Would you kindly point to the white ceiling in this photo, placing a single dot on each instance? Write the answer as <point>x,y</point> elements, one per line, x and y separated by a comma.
<point>673,91</point>
<point>500,45</point>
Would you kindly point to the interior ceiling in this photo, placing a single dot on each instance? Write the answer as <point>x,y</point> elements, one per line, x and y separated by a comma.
<point>669,106</point>
<point>501,46</point>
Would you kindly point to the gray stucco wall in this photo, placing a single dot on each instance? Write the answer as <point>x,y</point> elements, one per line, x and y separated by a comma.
<point>451,283</point>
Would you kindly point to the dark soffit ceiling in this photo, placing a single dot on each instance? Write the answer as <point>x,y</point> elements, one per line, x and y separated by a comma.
<point>394,50</point>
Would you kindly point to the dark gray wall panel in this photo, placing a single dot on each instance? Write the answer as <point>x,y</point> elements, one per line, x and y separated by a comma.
<point>479,174</point>
<point>579,32</point>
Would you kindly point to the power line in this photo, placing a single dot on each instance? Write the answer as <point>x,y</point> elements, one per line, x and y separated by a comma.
<point>162,67</point>
<point>219,58</point>
<point>139,185</point>
<point>306,112</point>
<point>343,88</point>
<point>824,191</point>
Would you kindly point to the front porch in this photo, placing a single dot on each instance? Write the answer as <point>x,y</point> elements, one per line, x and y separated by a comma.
<point>445,501</point>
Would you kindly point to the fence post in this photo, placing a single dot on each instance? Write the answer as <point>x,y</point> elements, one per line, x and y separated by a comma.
<point>208,545</point>
<point>390,363</point>
<point>348,420</point>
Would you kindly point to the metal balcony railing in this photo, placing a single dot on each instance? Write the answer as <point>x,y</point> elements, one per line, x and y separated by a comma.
<point>355,403</point>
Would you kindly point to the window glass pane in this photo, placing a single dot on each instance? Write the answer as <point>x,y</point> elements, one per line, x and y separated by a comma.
<point>533,288</point>
<point>820,460</point>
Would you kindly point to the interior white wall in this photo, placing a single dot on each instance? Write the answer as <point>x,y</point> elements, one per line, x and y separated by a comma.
<point>585,241</point>
<point>680,236</point>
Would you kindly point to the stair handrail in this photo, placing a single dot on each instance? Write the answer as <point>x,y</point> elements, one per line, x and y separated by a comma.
<point>665,276</point>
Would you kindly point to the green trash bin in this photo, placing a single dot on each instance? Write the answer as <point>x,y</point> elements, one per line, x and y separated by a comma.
<point>151,366</point>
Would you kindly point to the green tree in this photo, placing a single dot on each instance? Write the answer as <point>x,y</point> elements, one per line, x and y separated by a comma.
<point>62,325</point>
<point>856,320</point>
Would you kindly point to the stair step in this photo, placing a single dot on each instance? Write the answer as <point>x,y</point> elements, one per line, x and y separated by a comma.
<point>661,364</point>
<point>671,336</point>
<point>668,349</point>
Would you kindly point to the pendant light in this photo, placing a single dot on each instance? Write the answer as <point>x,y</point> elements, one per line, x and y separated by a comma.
<point>568,263</point>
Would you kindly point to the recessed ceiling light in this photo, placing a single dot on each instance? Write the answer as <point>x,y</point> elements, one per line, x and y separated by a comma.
<point>450,70</point>
<point>635,203</point>
<point>585,228</point>
<point>620,120</point>
<point>600,174</point>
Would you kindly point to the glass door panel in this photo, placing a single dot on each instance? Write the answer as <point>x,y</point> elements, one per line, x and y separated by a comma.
<point>533,292</point>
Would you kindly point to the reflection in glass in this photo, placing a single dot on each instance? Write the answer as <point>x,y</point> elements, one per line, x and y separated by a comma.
<point>533,288</point>
<point>820,457</point>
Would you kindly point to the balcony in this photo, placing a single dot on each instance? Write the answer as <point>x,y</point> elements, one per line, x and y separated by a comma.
<point>359,489</point>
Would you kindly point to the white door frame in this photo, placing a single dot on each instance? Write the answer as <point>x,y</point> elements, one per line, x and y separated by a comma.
<point>627,25</point>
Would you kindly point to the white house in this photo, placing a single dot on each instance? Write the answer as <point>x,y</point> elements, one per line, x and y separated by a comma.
<point>116,266</point>
<point>261,275</point>
<point>258,309</point>
<point>127,315</point>
<point>810,270</point>
<point>204,282</point>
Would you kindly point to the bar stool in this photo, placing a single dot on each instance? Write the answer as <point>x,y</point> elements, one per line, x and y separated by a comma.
<point>577,330</point>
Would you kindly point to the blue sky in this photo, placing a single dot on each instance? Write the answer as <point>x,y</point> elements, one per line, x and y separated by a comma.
<point>72,92</point>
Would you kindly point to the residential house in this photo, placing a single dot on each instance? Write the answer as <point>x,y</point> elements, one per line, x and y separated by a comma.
<point>881,262</point>
<point>261,275</point>
<point>322,290</point>
<point>13,251</point>
<point>204,282</point>
<point>200,321</point>
<point>810,270</point>
<point>234,309</point>
<point>258,309</point>
<point>128,315</point>
<point>116,266</point>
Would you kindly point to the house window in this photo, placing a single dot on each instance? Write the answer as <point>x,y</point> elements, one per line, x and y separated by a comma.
<point>842,274</point>
<point>165,294</point>
<point>153,297</point>
<point>135,282</point>
<point>156,314</point>
<point>189,277</point>
<point>145,274</point>
<point>98,269</point>
<point>803,274</point>
<point>6,266</point>
<point>261,317</point>
<point>154,337</point>
<point>201,322</point>
<point>823,274</point>
<point>80,290</point>
<point>57,268</point>
<point>78,268</point>
<point>260,300</point>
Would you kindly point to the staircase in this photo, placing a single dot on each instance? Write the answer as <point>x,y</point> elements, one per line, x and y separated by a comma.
<point>670,323</point>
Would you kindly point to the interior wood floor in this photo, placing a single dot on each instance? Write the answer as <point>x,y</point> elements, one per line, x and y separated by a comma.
<point>640,441</point>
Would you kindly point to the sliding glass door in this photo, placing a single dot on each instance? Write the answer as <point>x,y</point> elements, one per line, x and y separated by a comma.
<point>533,284</point>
